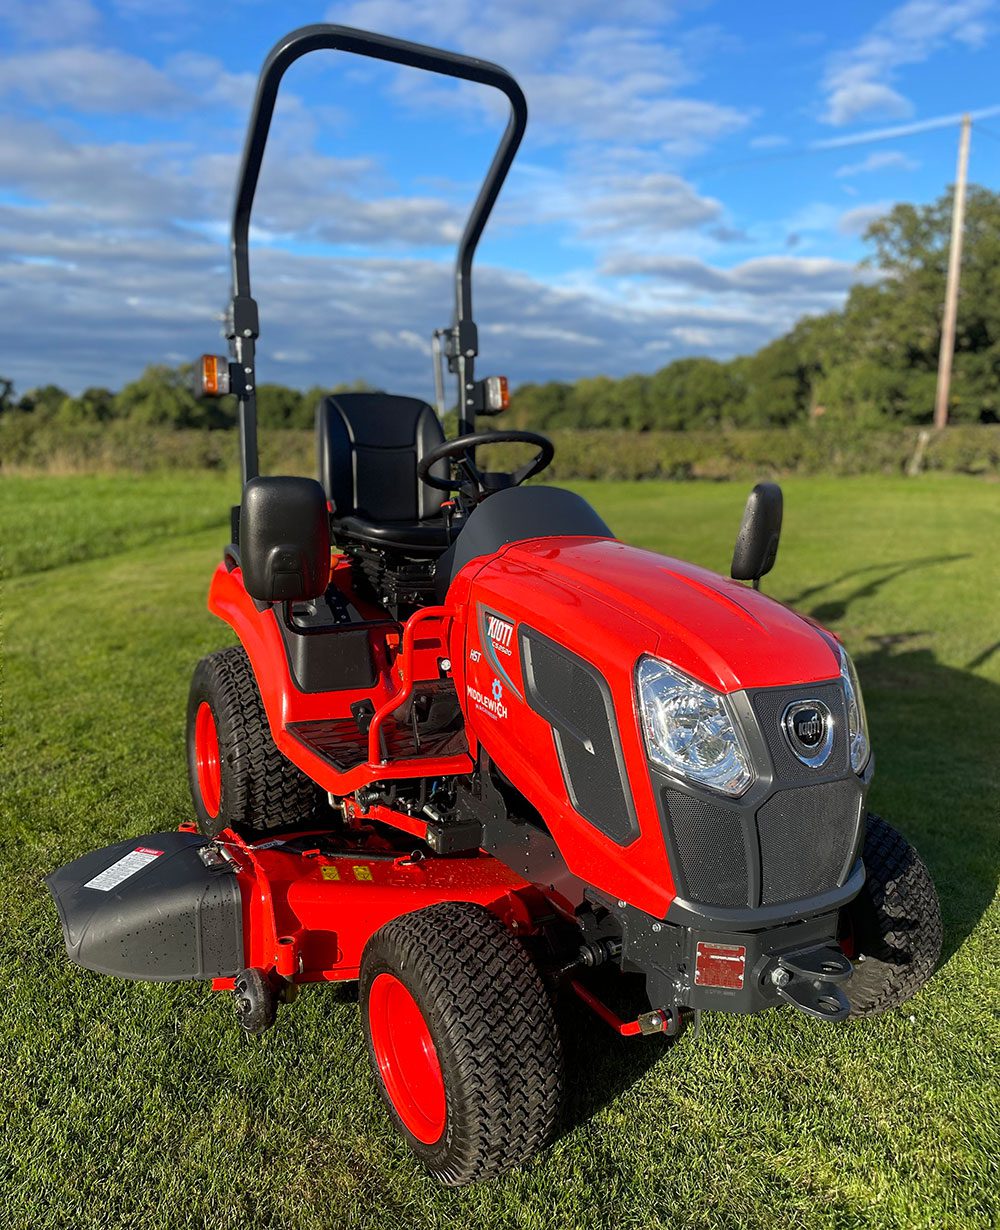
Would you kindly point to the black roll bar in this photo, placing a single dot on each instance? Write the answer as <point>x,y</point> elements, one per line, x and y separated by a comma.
<point>242,326</point>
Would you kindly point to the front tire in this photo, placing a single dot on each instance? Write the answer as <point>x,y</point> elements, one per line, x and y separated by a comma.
<point>238,778</point>
<point>462,1039</point>
<point>893,927</point>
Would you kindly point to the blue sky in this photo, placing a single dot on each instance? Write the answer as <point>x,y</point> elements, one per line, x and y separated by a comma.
<point>695,178</point>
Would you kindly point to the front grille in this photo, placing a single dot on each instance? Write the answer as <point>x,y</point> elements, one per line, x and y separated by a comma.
<point>711,851</point>
<point>797,842</point>
<point>806,838</point>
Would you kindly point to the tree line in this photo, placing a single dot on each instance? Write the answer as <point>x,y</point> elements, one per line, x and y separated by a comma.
<point>871,363</point>
<point>163,397</point>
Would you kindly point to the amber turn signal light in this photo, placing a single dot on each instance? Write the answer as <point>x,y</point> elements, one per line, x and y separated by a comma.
<point>497,396</point>
<point>212,376</point>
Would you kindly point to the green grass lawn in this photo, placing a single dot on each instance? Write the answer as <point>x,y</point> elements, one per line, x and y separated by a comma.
<point>127,1104</point>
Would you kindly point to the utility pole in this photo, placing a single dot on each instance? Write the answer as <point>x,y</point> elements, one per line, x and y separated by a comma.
<point>954,273</point>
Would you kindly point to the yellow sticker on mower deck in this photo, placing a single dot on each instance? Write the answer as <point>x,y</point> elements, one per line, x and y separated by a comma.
<point>362,872</point>
<point>329,873</point>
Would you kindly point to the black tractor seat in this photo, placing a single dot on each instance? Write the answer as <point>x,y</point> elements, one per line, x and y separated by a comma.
<point>368,447</point>
<point>412,537</point>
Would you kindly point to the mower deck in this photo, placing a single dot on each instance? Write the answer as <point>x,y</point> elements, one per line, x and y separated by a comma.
<point>299,907</point>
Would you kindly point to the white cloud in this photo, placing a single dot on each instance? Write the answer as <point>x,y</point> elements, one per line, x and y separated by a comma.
<point>854,98</point>
<point>303,196</point>
<point>322,320</point>
<point>856,221</point>
<point>105,80</point>
<point>89,80</point>
<point>771,277</point>
<point>881,160</point>
<point>204,79</point>
<point>146,289</point>
<point>858,81</point>
<point>53,21</point>
<point>643,205</point>
<point>114,183</point>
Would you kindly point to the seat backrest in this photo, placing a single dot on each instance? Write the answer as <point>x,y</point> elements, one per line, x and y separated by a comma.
<point>368,446</point>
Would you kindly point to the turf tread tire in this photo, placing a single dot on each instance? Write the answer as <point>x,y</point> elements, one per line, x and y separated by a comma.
<point>896,924</point>
<point>494,1028</point>
<point>261,789</point>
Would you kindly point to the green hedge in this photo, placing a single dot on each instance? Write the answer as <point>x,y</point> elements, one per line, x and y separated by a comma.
<point>708,455</point>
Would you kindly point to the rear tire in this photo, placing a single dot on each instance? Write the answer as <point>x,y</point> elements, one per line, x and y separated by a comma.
<point>238,777</point>
<point>894,924</point>
<point>462,1039</point>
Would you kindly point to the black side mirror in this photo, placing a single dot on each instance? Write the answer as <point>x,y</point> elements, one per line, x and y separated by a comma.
<point>757,542</point>
<point>284,539</point>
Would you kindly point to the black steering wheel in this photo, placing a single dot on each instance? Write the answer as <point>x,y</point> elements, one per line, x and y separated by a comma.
<point>484,481</point>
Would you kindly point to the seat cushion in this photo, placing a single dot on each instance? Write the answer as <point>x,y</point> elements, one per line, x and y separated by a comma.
<point>421,537</point>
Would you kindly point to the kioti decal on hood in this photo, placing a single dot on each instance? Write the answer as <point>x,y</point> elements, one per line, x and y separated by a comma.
<point>496,635</point>
<point>500,632</point>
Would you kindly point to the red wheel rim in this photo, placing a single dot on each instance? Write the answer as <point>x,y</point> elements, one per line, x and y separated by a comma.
<point>206,758</point>
<point>407,1058</point>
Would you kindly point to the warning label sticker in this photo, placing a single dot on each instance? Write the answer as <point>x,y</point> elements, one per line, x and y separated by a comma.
<point>128,865</point>
<point>720,965</point>
<point>362,872</point>
<point>330,873</point>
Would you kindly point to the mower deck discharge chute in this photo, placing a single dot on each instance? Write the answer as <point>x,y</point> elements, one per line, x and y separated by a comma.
<point>474,752</point>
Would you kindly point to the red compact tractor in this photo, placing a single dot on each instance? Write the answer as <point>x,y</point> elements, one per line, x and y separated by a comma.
<point>476,753</point>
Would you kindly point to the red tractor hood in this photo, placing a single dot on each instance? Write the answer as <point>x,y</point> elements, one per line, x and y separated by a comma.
<point>723,633</point>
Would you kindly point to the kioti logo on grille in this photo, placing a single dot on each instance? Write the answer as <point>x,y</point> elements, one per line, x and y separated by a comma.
<point>808,727</point>
<point>501,633</point>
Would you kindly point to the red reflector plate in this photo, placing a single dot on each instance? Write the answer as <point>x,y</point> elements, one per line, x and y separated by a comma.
<point>720,965</point>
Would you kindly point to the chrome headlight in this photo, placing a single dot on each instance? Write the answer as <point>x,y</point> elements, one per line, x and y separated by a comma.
<point>857,721</point>
<point>690,730</point>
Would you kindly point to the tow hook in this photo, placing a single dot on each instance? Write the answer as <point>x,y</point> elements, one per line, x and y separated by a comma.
<point>809,979</point>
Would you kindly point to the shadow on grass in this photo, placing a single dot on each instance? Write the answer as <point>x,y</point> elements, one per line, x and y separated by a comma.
<point>600,1066</point>
<point>934,731</point>
<point>877,576</point>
